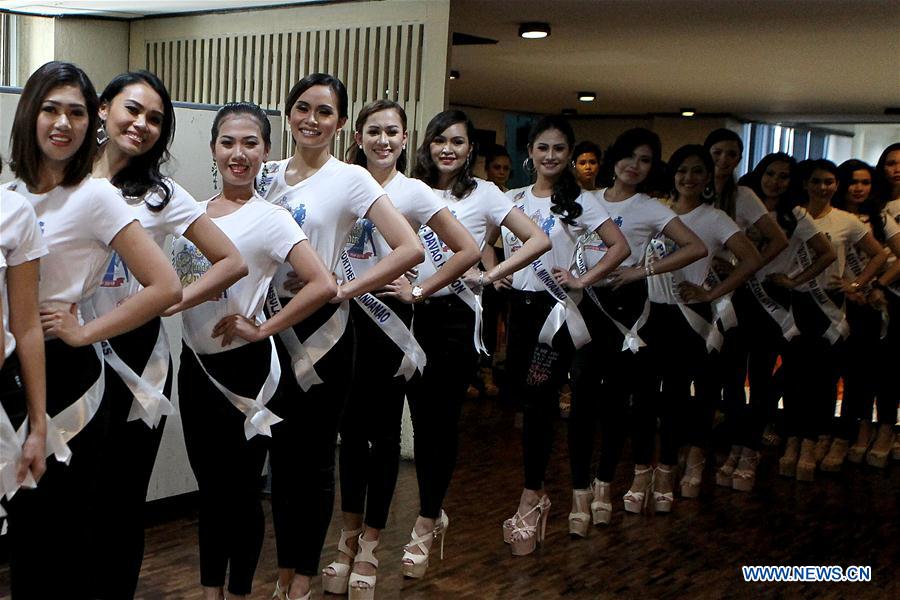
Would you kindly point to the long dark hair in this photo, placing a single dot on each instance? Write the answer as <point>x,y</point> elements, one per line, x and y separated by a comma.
<point>682,154</point>
<point>624,147</point>
<point>142,173</point>
<point>784,206</point>
<point>726,198</point>
<point>25,153</point>
<point>871,206</point>
<point>884,188</point>
<point>330,81</point>
<point>356,155</point>
<point>564,201</point>
<point>425,168</point>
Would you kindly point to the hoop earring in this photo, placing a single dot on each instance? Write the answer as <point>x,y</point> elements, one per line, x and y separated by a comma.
<point>528,165</point>
<point>215,175</point>
<point>102,135</point>
<point>709,192</point>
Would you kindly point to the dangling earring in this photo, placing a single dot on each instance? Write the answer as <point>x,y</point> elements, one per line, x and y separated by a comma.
<point>102,136</point>
<point>215,175</point>
<point>468,162</point>
<point>528,165</point>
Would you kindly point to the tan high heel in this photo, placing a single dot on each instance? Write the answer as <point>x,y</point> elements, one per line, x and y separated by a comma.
<point>636,500</point>
<point>882,447</point>
<point>601,511</point>
<point>693,477</point>
<point>725,473</point>
<point>362,587</point>
<point>744,476</point>
<point>806,464</point>
<point>418,563</point>
<point>580,522</point>
<point>787,464</point>
<point>662,501</point>
<point>857,451</point>
<point>525,538</point>
<point>336,583</point>
<point>834,460</point>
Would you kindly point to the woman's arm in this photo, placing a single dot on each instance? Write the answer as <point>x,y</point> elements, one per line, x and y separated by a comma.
<point>893,272</point>
<point>25,325</point>
<point>617,250</point>
<point>151,268</point>
<point>407,251</point>
<point>320,287</point>
<point>773,236</point>
<point>824,256</point>
<point>534,243</point>
<point>690,249</point>
<point>227,265</point>
<point>748,263</point>
<point>877,258</point>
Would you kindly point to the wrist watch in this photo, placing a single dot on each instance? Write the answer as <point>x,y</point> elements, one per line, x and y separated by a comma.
<point>418,294</point>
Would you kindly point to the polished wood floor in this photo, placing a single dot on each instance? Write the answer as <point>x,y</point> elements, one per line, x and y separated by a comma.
<point>844,519</point>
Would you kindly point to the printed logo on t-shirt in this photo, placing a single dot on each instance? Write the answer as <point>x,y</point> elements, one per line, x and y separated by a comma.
<point>117,273</point>
<point>361,242</point>
<point>41,225</point>
<point>267,177</point>
<point>190,265</point>
<point>299,214</point>
<point>545,223</point>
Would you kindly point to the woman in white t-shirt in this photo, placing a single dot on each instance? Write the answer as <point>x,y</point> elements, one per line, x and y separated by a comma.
<point>83,220</point>
<point>387,355</point>
<point>863,374</point>
<point>326,197</point>
<point>681,335</point>
<point>769,315</point>
<point>138,124</point>
<point>447,325</point>
<point>545,325</point>
<point>604,371</point>
<point>811,367</point>
<point>229,366</point>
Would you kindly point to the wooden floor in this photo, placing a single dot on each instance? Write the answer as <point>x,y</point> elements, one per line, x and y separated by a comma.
<point>845,519</point>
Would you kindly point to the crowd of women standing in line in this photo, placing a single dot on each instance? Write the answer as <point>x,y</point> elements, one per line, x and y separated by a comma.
<point>638,299</point>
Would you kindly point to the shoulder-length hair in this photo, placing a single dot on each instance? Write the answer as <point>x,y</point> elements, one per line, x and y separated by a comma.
<point>623,147</point>
<point>784,208</point>
<point>357,156</point>
<point>427,171</point>
<point>727,197</point>
<point>681,155</point>
<point>26,157</point>
<point>871,206</point>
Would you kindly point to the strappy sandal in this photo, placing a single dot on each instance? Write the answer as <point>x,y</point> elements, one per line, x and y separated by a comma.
<point>336,581</point>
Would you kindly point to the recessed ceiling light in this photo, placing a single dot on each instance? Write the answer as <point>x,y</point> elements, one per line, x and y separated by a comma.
<point>454,74</point>
<point>688,112</point>
<point>534,31</point>
<point>587,96</point>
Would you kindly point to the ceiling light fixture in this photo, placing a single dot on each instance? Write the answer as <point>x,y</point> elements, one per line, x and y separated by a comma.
<point>534,31</point>
<point>454,74</point>
<point>688,112</point>
<point>569,112</point>
<point>587,96</point>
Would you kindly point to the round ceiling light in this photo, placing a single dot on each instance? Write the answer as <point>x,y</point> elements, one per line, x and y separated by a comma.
<point>534,31</point>
<point>587,96</point>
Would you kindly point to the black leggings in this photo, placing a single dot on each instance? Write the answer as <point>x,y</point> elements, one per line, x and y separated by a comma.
<point>535,373</point>
<point>888,387</point>
<point>603,377</point>
<point>303,448</point>
<point>444,328</point>
<point>57,517</point>
<point>370,428</point>
<point>129,452</point>
<point>674,357</point>
<point>227,465</point>
<point>859,368</point>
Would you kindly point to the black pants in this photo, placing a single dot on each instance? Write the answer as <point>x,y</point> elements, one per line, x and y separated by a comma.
<point>303,449</point>
<point>130,453</point>
<point>227,465</point>
<point>674,357</point>
<point>888,383</point>
<point>536,371</point>
<point>370,428</point>
<point>859,368</point>
<point>52,521</point>
<point>811,371</point>
<point>603,377</point>
<point>444,328</point>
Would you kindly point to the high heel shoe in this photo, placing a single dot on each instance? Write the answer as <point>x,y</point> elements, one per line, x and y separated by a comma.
<point>662,501</point>
<point>362,587</point>
<point>823,444</point>
<point>806,464</point>
<point>635,500</point>
<point>336,582</point>
<point>857,451</point>
<point>601,510</point>
<point>418,563</point>
<point>280,593</point>
<point>690,482</point>
<point>787,464</point>
<point>525,537</point>
<point>580,522</point>
<point>834,460</point>
<point>744,477</point>
<point>895,449</point>
<point>882,447</point>
<point>725,473</point>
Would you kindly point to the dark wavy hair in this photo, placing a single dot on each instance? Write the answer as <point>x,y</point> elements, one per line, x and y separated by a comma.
<point>624,147</point>
<point>871,206</point>
<point>884,188</point>
<point>142,174</point>
<point>586,147</point>
<point>681,155</point>
<point>357,156</point>
<point>784,207</point>
<point>26,157</point>
<point>333,83</point>
<point>425,168</point>
<point>726,198</point>
<point>564,200</point>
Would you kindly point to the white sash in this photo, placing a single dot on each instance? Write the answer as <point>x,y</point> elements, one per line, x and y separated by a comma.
<point>564,311</point>
<point>433,249</point>
<point>856,266</point>
<point>259,418</point>
<point>413,355</point>
<point>632,341</point>
<point>838,327</point>
<point>72,419</point>
<point>304,355</point>
<point>781,315</point>
<point>722,307</point>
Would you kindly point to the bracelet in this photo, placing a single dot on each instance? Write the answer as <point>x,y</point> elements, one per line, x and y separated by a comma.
<point>481,279</point>
<point>649,271</point>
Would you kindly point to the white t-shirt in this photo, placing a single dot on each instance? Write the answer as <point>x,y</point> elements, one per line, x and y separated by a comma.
<point>639,217</point>
<point>180,212</point>
<point>748,209</point>
<point>892,208</point>
<point>413,199</point>
<point>484,206</point>
<point>786,260</point>
<point>78,223</point>
<point>712,226</point>
<point>326,205</point>
<point>563,237</point>
<point>20,242</point>
<point>844,231</point>
<point>264,234</point>
<point>891,228</point>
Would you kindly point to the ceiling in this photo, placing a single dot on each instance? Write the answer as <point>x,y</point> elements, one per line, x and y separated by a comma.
<point>807,57</point>
<point>131,9</point>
